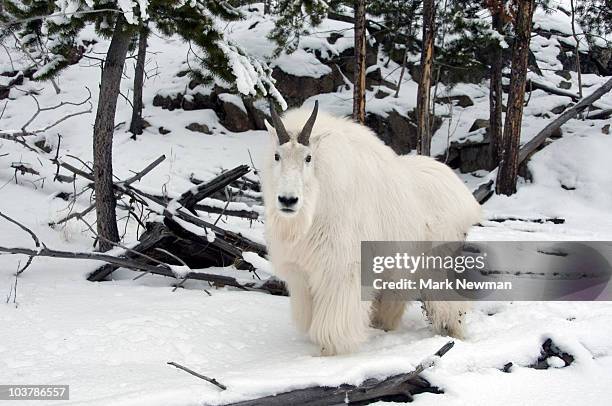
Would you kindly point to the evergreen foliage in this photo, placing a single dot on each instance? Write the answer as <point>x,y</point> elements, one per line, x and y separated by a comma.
<point>295,17</point>
<point>53,26</point>
<point>595,17</point>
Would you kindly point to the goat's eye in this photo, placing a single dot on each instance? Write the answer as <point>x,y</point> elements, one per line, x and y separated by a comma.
<point>276,157</point>
<point>308,158</point>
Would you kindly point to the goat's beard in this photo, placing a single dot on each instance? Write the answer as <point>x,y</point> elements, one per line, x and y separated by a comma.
<point>290,228</point>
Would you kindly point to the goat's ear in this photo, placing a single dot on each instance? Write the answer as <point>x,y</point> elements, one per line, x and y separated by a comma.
<point>271,131</point>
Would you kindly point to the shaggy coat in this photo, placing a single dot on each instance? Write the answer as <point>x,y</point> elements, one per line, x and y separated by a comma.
<point>353,188</point>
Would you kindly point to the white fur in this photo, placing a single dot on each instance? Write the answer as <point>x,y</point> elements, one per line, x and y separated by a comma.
<point>355,188</point>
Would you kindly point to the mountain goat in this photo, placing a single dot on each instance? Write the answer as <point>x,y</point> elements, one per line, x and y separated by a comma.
<point>330,183</point>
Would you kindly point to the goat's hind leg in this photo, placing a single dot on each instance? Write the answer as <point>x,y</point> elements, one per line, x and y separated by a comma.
<point>387,312</point>
<point>447,317</point>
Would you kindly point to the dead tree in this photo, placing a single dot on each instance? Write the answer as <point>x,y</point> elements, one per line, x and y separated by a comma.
<point>136,123</point>
<point>423,92</point>
<point>509,165</point>
<point>359,78</point>
<point>104,127</point>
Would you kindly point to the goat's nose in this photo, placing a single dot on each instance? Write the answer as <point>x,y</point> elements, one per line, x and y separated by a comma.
<point>287,201</point>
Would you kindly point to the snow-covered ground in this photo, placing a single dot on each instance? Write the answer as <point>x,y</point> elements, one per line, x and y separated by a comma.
<point>111,341</point>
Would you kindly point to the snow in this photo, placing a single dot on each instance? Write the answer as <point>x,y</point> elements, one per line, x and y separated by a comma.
<point>555,362</point>
<point>258,262</point>
<point>192,228</point>
<point>111,341</point>
<point>233,99</point>
<point>302,63</point>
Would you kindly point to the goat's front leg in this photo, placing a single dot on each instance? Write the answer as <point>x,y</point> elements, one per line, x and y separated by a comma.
<point>300,298</point>
<point>340,319</point>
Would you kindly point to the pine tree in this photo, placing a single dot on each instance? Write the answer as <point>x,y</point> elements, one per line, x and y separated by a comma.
<point>60,21</point>
<point>397,20</point>
<point>31,45</point>
<point>595,18</point>
<point>295,18</point>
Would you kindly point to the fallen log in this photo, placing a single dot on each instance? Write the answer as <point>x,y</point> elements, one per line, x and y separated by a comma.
<point>194,195</point>
<point>535,85</point>
<point>531,146</point>
<point>122,262</point>
<point>204,244</point>
<point>485,190</point>
<point>154,236</point>
<point>399,387</point>
<point>163,201</point>
<point>554,220</point>
<point>230,237</point>
<point>602,114</point>
<point>245,214</point>
<point>225,248</point>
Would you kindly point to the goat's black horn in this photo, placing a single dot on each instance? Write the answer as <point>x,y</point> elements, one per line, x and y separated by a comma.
<point>283,135</point>
<point>304,137</point>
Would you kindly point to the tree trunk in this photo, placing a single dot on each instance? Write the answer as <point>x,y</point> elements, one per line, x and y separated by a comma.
<point>136,123</point>
<point>423,93</point>
<point>360,62</point>
<point>404,62</point>
<point>577,49</point>
<point>495,95</point>
<point>509,163</point>
<point>104,127</point>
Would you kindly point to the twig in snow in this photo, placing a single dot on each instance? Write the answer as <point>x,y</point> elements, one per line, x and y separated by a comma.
<point>13,288</point>
<point>207,379</point>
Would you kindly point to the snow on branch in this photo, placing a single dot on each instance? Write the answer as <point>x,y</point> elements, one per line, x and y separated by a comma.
<point>133,10</point>
<point>252,76</point>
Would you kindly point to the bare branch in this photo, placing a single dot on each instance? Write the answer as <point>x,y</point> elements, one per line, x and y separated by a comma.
<point>15,135</point>
<point>34,237</point>
<point>141,174</point>
<point>211,380</point>
<point>24,228</point>
<point>122,262</point>
<point>77,215</point>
